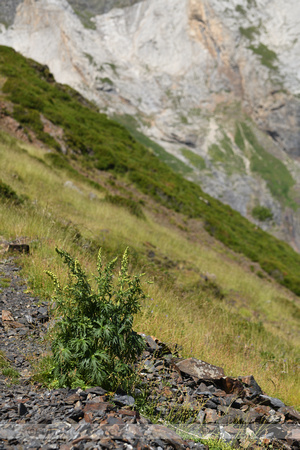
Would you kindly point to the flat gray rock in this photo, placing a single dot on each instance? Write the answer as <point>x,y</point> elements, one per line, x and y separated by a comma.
<point>200,369</point>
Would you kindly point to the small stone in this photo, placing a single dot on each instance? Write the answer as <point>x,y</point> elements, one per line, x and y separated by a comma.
<point>253,388</point>
<point>167,436</point>
<point>290,413</point>
<point>210,404</point>
<point>43,311</point>
<point>199,392</point>
<point>72,399</point>
<point>250,433</point>
<point>95,390</point>
<point>224,434</point>
<point>270,401</point>
<point>200,417</point>
<point>76,415</point>
<point>253,416</point>
<point>123,400</point>
<point>273,417</point>
<point>238,403</point>
<point>231,385</point>
<point>7,316</point>
<point>22,410</point>
<point>262,410</point>
<point>211,416</point>
<point>294,434</point>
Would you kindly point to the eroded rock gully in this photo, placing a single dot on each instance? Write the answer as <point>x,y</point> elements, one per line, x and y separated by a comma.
<point>194,396</point>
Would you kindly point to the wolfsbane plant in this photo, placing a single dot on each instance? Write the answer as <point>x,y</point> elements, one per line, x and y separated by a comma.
<point>92,340</point>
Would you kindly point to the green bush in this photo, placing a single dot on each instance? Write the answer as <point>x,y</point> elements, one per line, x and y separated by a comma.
<point>7,193</point>
<point>262,213</point>
<point>133,207</point>
<point>93,342</point>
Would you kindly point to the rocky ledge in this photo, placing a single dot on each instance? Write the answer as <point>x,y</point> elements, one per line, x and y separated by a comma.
<point>188,397</point>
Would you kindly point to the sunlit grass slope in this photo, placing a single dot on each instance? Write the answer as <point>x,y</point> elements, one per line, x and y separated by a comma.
<point>93,141</point>
<point>235,319</point>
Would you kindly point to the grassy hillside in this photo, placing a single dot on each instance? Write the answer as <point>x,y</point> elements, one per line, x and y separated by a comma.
<point>95,142</point>
<point>108,190</point>
<point>214,303</point>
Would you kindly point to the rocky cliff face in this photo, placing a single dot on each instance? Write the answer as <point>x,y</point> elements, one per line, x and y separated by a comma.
<point>216,83</point>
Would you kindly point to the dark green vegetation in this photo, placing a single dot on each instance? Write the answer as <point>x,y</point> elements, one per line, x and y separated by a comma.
<point>238,138</point>
<point>262,213</point>
<point>94,141</point>
<point>86,10</point>
<point>195,159</point>
<point>7,370</point>
<point>224,154</point>
<point>251,3</point>
<point>93,342</point>
<point>4,282</point>
<point>249,32</point>
<point>7,193</point>
<point>267,57</point>
<point>241,10</point>
<point>131,205</point>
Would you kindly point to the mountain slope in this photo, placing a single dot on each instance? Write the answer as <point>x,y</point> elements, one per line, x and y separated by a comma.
<point>219,305</point>
<point>89,138</point>
<point>191,74</point>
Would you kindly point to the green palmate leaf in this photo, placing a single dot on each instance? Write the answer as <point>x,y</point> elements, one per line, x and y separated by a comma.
<point>93,341</point>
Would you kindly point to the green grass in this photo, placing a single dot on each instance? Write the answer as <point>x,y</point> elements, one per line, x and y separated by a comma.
<point>87,10</point>
<point>224,154</point>
<point>7,370</point>
<point>128,203</point>
<point>171,161</point>
<point>95,142</point>
<point>233,320</point>
<point>238,138</point>
<point>184,119</point>
<point>106,80</point>
<point>241,10</point>
<point>195,159</point>
<point>249,32</point>
<point>270,168</point>
<point>85,17</point>
<point>5,282</point>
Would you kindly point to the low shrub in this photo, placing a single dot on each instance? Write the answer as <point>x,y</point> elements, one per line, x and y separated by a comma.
<point>93,342</point>
<point>133,207</point>
<point>7,193</point>
<point>262,213</point>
